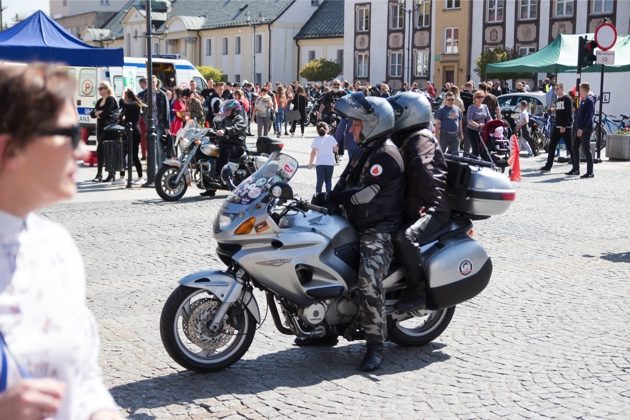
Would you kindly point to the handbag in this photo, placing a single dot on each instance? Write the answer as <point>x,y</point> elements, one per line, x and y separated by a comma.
<point>293,115</point>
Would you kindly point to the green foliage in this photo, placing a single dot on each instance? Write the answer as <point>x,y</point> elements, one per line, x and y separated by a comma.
<point>320,70</point>
<point>209,72</point>
<point>498,55</point>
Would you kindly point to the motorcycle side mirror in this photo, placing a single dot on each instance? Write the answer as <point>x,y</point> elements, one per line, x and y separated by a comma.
<point>281,190</point>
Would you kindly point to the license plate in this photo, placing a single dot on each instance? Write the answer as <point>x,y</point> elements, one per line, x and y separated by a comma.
<point>85,118</point>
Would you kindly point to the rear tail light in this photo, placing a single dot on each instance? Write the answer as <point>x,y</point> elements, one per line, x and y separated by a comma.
<point>508,196</point>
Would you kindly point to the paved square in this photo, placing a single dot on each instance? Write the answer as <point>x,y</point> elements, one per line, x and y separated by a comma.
<point>549,337</point>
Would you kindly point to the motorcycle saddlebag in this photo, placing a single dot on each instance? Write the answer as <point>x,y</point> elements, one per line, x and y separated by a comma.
<point>478,193</point>
<point>456,272</point>
<point>268,145</point>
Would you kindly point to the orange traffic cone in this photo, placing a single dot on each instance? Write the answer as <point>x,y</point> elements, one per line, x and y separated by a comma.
<point>515,164</point>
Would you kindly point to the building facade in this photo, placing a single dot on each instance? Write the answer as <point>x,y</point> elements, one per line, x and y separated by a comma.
<point>62,8</point>
<point>440,40</point>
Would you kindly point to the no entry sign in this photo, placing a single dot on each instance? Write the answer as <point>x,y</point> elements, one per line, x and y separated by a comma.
<point>606,36</point>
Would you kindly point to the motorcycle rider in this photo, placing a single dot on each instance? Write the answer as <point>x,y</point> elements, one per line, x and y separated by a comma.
<point>230,137</point>
<point>370,190</point>
<point>427,209</point>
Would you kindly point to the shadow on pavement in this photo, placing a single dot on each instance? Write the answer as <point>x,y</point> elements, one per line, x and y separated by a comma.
<point>623,257</point>
<point>186,199</point>
<point>294,368</point>
<point>552,180</point>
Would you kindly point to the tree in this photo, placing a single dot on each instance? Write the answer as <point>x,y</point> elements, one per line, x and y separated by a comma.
<point>209,72</point>
<point>319,70</point>
<point>498,55</point>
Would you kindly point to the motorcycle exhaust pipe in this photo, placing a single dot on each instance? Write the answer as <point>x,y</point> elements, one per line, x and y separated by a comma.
<point>271,303</point>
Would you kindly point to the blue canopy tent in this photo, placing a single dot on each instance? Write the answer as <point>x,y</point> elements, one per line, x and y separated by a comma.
<point>39,38</point>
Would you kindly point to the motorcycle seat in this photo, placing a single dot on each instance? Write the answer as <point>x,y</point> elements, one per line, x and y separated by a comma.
<point>452,228</point>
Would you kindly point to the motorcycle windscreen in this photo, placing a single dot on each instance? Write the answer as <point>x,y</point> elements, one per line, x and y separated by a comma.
<point>279,167</point>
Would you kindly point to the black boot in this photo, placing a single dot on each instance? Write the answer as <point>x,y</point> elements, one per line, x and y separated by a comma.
<point>208,193</point>
<point>373,357</point>
<point>329,340</point>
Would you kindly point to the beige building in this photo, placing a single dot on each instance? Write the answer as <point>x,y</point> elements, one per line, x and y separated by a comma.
<point>451,47</point>
<point>62,8</point>
<point>322,36</point>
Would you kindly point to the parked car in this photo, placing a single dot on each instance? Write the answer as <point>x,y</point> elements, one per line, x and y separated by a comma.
<point>536,101</point>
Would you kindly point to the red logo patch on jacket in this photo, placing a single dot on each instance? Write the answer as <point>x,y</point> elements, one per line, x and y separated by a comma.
<point>376,170</point>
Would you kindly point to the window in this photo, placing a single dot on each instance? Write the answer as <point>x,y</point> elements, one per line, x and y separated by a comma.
<point>523,51</point>
<point>340,58</point>
<point>362,64</point>
<point>422,63</point>
<point>424,15</point>
<point>156,48</point>
<point>208,47</point>
<point>201,83</point>
<point>363,19</point>
<point>225,46</point>
<point>118,86</point>
<point>396,16</point>
<point>311,55</point>
<point>395,64</point>
<point>258,44</point>
<point>237,78</point>
<point>451,4</point>
<point>258,78</point>
<point>602,6</point>
<point>495,11</point>
<point>451,40</point>
<point>528,9</point>
<point>563,8</point>
<point>128,52</point>
<point>237,45</point>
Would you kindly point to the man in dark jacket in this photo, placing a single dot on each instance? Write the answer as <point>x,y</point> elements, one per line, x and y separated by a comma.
<point>370,190</point>
<point>160,117</point>
<point>563,107</point>
<point>584,125</point>
<point>231,136</point>
<point>427,209</point>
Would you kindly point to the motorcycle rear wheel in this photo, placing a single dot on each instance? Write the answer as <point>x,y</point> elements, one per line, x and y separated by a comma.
<point>430,328</point>
<point>164,184</point>
<point>186,337</point>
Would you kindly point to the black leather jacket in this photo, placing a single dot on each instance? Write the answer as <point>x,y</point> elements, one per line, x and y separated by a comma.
<point>425,173</point>
<point>371,188</point>
<point>235,128</point>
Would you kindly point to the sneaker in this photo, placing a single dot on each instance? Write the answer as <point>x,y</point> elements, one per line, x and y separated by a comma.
<point>588,175</point>
<point>138,181</point>
<point>119,181</point>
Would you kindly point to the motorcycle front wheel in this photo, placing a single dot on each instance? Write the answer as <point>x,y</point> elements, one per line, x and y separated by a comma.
<point>422,329</point>
<point>165,184</point>
<point>186,336</point>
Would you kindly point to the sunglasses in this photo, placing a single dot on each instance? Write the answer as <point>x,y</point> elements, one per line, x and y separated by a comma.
<point>450,99</point>
<point>73,132</point>
<point>478,97</point>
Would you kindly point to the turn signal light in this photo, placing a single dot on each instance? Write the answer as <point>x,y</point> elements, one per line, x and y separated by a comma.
<point>245,227</point>
<point>470,233</point>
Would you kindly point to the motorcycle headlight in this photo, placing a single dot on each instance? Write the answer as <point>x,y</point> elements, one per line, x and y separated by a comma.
<point>184,143</point>
<point>222,221</point>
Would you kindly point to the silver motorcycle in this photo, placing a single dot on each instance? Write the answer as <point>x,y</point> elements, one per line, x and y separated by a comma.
<point>305,260</point>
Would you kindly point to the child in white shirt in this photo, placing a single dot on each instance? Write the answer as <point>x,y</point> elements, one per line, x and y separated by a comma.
<point>521,127</point>
<point>324,148</point>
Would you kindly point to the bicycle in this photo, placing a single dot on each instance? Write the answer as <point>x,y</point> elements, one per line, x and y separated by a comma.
<point>610,124</point>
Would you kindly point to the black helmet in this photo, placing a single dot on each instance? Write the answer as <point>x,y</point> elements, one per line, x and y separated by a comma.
<point>376,113</point>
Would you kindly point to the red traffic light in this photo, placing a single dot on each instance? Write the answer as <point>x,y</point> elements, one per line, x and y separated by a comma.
<point>586,53</point>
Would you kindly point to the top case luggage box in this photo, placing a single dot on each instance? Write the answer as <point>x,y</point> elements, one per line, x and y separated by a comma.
<point>478,193</point>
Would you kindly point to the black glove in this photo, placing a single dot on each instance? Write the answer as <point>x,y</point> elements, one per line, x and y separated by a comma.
<point>319,199</point>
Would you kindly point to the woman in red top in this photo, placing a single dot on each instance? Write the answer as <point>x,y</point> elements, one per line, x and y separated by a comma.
<point>179,110</point>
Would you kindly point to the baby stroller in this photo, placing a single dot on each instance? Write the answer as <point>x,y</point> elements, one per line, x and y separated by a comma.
<point>495,142</point>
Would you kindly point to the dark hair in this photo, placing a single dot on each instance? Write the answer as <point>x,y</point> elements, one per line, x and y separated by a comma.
<point>31,98</point>
<point>133,98</point>
<point>322,128</point>
<point>186,93</point>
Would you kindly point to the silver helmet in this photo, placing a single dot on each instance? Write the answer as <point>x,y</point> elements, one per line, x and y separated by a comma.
<point>412,110</point>
<point>376,113</point>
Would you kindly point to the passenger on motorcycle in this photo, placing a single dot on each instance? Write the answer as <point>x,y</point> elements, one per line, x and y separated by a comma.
<point>427,209</point>
<point>370,190</point>
<point>231,135</point>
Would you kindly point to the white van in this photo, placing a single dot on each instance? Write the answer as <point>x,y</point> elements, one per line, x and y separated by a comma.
<point>172,72</point>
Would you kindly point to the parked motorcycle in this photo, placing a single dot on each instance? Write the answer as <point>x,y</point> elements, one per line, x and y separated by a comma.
<point>306,259</point>
<point>197,161</point>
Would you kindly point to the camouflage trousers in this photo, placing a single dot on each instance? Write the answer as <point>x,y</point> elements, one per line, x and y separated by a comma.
<point>376,254</point>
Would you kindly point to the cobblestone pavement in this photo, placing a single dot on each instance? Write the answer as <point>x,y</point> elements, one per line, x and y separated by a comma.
<point>549,337</point>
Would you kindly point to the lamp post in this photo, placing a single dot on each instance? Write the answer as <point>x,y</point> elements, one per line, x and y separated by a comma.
<point>410,25</point>
<point>260,21</point>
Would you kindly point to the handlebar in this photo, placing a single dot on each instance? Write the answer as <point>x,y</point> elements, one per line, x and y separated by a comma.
<point>476,162</point>
<point>305,205</point>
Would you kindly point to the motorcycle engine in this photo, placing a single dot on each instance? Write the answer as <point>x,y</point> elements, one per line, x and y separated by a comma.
<point>314,314</point>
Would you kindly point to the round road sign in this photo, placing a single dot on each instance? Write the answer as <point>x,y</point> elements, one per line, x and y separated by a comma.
<point>606,36</point>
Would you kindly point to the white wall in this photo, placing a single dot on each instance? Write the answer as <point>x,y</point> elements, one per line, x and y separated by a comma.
<point>476,44</point>
<point>510,22</point>
<point>348,40</point>
<point>615,83</point>
<point>378,42</point>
